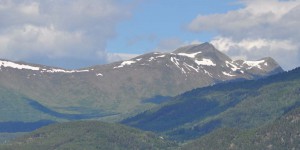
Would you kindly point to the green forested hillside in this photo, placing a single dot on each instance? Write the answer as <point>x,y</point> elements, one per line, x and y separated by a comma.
<point>284,133</point>
<point>241,105</point>
<point>17,106</point>
<point>88,135</point>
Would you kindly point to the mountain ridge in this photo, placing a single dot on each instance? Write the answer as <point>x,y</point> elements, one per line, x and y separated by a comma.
<point>121,87</point>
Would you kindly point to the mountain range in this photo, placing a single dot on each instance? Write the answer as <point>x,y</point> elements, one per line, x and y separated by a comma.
<point>219,103</point>
<point>112,91</point>
<point>254,114</point>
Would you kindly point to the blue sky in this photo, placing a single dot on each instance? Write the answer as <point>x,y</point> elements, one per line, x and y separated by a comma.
<point>81,33</point>
<point>156,20</point>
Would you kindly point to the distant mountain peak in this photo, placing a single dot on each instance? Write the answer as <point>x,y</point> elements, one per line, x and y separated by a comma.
<point>204,47</point>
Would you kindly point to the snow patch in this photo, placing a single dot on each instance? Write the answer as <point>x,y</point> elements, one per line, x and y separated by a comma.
<point>151,58</point>
<point>27,67</point>
<point>232,66</point>
<point>252,64</point>
<point>206,62</point>
<point>183,71</point>
<point>175,61</point>
<point>160,56</point>
<point>99,74</point>
<point>64,71</point>
<point>228,74</point>
<point>208,73</point>
<point>124,63</point>
<point>189,66</point>
<point>192,55</point>
<point>17,66</point>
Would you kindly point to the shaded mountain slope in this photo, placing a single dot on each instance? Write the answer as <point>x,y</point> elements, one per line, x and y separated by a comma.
<point>246,104</point>
<point>283,133</point>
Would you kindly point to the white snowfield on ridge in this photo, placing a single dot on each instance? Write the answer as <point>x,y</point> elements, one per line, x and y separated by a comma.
<point>196,66</point>
<point>9,64</point>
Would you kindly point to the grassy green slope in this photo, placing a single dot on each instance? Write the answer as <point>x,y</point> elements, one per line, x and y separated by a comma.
<point>284,133</point>
<point>243,105</point>
<point>14,107</point>
<point>6,137</point>
<point>88,135</point>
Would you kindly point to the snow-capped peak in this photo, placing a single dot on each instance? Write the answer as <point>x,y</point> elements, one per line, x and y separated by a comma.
<point>206,62</point>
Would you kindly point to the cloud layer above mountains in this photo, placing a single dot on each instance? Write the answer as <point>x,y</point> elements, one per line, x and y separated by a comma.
<point>260,28</point>
<point>75,33</point>
<point>64,32</point>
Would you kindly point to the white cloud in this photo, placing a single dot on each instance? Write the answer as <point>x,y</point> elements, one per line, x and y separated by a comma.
<point>30,9</point>
<point>76,30</point>
<point>112,57</point>
<point>260,28</point>
<point>256,14</point>
<point>194,42</point>
<point>284,51</point>
<point>28,41</point>
<point>226,44</point>
<point>171,44</point>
